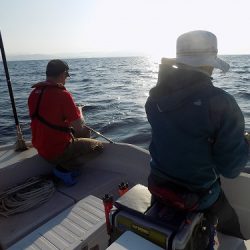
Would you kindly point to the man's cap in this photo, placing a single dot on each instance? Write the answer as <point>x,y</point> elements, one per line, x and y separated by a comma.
<point>56,67</point>
<point>199,48</point>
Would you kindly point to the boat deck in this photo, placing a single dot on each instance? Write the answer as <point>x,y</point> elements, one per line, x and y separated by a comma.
<point>99,176</point>
<point>119,163</point>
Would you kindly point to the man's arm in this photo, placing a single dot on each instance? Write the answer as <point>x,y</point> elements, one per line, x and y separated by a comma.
<point>78,125</point>
<point>230,150</point>
<point>74,116</point>
<point>247,135</point>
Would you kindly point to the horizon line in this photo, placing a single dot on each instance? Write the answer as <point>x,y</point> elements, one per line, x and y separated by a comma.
<point>88,55</point>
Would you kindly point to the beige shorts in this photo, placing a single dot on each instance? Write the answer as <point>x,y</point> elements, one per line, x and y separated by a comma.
<point>89,148</point>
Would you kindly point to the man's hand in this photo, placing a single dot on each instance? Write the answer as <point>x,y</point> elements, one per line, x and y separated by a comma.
<point>80,129</point>
<point>247,135</point>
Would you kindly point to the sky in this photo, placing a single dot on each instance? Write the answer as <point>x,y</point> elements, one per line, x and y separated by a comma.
<point>120,26</point>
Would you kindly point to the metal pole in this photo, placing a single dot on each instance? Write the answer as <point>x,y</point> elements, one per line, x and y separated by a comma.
<point>20,144</point>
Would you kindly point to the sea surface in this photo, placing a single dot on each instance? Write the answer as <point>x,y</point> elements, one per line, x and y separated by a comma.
<point>113,90</point>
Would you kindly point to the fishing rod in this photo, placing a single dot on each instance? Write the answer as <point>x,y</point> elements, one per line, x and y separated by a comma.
<point>98,133</point>
<point>20,144</point>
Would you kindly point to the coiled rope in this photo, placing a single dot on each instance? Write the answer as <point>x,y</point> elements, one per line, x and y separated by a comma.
<point>30,194</point>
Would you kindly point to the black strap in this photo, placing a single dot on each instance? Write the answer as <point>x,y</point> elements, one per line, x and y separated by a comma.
<point>44,121</point>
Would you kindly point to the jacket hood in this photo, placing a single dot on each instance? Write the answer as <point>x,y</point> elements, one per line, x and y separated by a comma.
<point>176,86</point>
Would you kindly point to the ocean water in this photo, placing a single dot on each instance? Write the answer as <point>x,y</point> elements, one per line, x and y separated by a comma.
<point>113,90</point>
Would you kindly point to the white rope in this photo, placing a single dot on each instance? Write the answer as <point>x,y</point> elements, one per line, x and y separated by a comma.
<point>29,194</point>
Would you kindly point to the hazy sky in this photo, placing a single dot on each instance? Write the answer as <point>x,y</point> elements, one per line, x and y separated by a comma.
<point>149,26</point>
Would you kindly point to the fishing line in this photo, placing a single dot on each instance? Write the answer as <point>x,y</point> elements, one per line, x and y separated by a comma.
<point>81,106</point>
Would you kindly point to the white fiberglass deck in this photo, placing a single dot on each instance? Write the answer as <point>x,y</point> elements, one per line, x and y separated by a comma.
<point>81,226</point>
<point>119,162</point>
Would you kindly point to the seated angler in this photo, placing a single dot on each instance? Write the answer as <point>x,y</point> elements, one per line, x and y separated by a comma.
<point>197,130</point>
<point>58,131</point>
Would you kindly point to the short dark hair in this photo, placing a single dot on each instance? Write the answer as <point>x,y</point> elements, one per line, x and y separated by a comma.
<point>55,67</point>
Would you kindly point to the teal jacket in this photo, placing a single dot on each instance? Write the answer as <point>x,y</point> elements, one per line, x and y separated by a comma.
<point>197,131</point>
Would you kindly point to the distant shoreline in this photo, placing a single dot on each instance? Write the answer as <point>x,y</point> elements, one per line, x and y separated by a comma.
<point>13,57</point>
<point>34,57</point>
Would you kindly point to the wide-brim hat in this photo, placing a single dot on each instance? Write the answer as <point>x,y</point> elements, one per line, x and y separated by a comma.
<point>199,48</point>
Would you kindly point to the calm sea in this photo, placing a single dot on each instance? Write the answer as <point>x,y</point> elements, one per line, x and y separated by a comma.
<point>113,90</point>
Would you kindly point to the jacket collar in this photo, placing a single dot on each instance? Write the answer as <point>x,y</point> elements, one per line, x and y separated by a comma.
<point>48,84</point>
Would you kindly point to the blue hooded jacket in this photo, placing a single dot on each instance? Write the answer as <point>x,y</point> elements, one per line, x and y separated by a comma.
<point>197,130</point>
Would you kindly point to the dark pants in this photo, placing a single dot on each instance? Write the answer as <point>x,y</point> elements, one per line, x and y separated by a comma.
<point>86,147</point>
<point>228,222</point>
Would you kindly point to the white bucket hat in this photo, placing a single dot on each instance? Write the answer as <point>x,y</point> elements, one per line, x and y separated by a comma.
<point>199,48</point>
